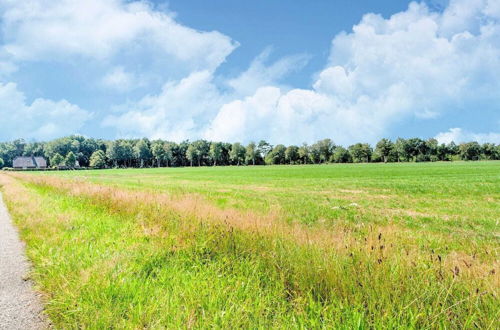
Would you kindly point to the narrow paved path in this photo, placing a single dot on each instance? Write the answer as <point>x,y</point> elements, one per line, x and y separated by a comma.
<point>20,307</point>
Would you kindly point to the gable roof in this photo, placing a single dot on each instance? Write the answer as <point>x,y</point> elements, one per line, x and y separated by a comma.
<point>29,162</point>
<point>40,162</point>
<point>23,162</point>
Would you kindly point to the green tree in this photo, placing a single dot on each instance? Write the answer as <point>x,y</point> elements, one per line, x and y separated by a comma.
<point>98,159</point>
<point>416,147</point>
<point>251,153</point>
<point>216,149</point>
<point>57,160</point>
<point>87,149</point>
<point>142,152</point>
<point>470,151</point>
<point>1,163</point>
<point>401,147</point>
<point>361,152</point>
<point>180,153</point>
<point>120,152</point>
<point>127,153</point>
<point>237,153</point>
<point>442,152</point>
<point>113,152</point>
<point>277,155</point>
<point>341,155</point>
<point>62,146</point>
<point>325,148</point>
<point>70,160</point>
<point>384,148</point>
<point>202,151</point>
<point>304,153</point>
<point>33,149</point>
<point>453,149</point>
<point>226,153</point>
<point>490,151</point>
<point>8,152</point>
<point>170,148</point>
<point>191,154</point>
<point>292,154</point>
<point>315,154</point>
<point>432,146</point>
<point>158,151</point>
<point>264,148</point>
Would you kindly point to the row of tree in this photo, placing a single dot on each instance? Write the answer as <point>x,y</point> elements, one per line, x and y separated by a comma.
<point>97,153</point>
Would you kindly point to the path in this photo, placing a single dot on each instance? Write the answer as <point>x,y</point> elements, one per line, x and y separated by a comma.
<point>20,307</point>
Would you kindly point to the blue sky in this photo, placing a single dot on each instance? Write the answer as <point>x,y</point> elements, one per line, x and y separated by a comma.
<point>290,27</point>
<point>285,71</point>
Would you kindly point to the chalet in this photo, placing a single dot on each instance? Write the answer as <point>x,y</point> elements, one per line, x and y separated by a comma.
<point>29,163</point>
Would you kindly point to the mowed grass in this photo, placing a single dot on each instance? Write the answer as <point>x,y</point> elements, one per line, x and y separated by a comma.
<point>344,246</point>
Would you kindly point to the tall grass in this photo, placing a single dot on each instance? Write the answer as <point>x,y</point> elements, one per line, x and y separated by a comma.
<point>113,258</point>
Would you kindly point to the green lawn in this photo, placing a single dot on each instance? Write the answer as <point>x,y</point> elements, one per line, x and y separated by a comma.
<point>346,246</point>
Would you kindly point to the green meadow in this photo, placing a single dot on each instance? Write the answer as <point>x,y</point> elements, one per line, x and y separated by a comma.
<point>412,245</point>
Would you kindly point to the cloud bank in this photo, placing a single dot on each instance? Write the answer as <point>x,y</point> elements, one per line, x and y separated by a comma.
<point>42,119</point>
<point>129,44</point>
<point>415,65</point>
<point>104,29</point>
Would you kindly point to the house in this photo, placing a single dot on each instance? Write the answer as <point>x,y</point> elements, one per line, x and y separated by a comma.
<point>29,163</point>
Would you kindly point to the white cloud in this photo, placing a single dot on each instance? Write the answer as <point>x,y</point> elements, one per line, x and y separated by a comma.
<point>122,45</point>
<point>238,118</point>
<point>36,29</point>
<point>417,63</point>
<point>184,109</point>
<point>42,119</point>
<point>459,135</point>
<point>177,113</point>
<point>120,80</point>
<point>260,74</point>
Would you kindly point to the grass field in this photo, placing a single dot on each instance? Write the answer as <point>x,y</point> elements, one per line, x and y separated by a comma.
<point>346,246</point>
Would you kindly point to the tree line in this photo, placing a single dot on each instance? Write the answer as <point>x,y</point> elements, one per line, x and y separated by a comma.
<point>96,153</point>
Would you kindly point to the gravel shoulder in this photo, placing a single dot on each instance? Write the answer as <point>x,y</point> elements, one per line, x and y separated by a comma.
<point>20,306</point>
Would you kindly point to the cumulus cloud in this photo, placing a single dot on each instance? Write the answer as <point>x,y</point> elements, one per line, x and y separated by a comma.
<point>183,109</point>
<point>260,73</point>
<point>459,135</point>
<point>100,29</point>
<point>178,112</point>
<point>42,119</point>
<point>122,46</point>
<point>417,63</point>
<point>120,80</point>
<point>237,118</point>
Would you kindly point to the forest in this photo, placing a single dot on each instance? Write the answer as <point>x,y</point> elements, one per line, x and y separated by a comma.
<point>123,153</point>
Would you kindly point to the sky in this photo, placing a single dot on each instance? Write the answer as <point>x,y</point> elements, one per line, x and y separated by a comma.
<point>234,70</point>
